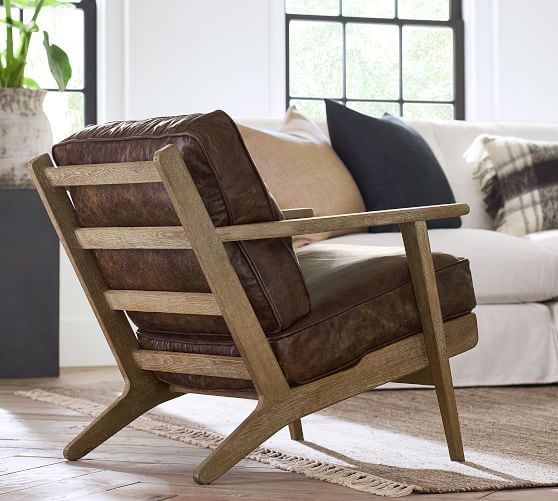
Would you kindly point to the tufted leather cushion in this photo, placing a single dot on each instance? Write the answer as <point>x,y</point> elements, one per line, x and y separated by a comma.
<point>233,193</point>
<point>362,299</point>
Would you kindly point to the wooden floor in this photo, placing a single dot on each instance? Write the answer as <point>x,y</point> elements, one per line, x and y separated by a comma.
<point>140,466</point>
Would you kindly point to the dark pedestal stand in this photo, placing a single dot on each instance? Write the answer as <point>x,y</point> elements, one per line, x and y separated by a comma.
<point>29,287</point>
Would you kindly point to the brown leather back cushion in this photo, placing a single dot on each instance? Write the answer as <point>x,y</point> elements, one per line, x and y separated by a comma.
<point>233,193</point>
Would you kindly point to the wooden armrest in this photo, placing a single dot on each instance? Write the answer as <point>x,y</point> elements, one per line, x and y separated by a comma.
<point>291,227</point>
<point>173,237</point>
<point>297,213</point>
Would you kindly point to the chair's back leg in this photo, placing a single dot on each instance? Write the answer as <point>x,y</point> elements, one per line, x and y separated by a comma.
<point>295,429</point>
<point>419,256</point>
<point>142,391</point>
<point>134,402</point>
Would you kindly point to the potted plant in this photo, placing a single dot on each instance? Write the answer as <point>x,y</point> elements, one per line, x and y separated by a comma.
<point>24,128</point>
<point>29,253</point>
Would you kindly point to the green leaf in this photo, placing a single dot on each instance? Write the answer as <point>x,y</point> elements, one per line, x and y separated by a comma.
<point>29,83</point>
<point>30,27</point>
<point>58,63</point>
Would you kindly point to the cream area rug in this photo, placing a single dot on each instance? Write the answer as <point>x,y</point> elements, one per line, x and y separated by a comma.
<point>386,442</point>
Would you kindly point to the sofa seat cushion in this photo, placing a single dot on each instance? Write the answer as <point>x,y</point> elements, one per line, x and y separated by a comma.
<point>547,240</point>
<point>362,299</point>
<point>505,268</point>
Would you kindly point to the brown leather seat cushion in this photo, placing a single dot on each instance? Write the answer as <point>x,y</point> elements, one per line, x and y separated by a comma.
<point>362,299</point>
<point>233,193</point>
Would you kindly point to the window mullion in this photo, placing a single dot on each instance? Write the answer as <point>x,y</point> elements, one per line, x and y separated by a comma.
<point>454,23</point>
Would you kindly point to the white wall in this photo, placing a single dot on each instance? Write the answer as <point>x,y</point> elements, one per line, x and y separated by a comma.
<point>510,60</point>
<point>167,58</point>
<point>183,56</point>
<point>204,55</point>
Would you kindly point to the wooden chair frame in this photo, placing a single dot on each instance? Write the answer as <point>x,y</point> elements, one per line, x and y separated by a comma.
<point>421,359</point>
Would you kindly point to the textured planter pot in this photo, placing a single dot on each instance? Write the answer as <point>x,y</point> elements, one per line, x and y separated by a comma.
<point>24,133</point>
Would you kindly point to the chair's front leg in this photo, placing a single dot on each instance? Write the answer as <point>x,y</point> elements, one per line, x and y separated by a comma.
<point>261,424</point>
<point>419,257</point>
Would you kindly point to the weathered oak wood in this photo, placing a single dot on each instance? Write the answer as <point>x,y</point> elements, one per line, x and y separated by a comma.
<point>185,303</point>
<point>142,389</point>
<point>159,237</point>
<point>86,175</point>
<point>295,429</point>
<point>422,358</point>
<point>175,238</point>
<point>190,363</point>
<point>421,267</point>
<point>135,401</point>
<point>389,363</point>
<point>461,336</point>
<point>267,376</point>
<point>297,213</point>
<point>115,326</point>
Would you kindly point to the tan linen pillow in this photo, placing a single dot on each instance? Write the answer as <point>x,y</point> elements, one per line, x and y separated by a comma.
<point>300,168</point>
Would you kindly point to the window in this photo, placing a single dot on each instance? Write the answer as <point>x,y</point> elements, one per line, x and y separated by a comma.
<point>75,31</point>
<point>400,56</point>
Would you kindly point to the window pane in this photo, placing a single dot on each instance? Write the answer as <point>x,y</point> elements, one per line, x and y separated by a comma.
<point>314,109</point>
<point>374,109</point>
<point>372,61</point>
<point>429,111</point>
<point>318,7</point>
<point>66,29</point>
<point>424,9</point>
<point>65,111</point>
<point>315,59</point>
<point>369,8</point>
<point>427,63</point>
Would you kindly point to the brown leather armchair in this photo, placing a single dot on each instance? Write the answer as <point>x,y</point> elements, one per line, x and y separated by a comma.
<point>168,220</point>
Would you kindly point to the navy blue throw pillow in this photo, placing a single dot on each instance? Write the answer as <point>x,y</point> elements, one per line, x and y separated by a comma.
<point>391,163</point>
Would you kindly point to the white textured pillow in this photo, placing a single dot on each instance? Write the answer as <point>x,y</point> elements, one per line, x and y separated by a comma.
<point>300,168</point>
<point>519,179</point>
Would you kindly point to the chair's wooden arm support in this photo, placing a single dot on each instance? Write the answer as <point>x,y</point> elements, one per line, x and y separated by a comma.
<point>291,227</point>
<point>297,213</point>
<point>173,237</point>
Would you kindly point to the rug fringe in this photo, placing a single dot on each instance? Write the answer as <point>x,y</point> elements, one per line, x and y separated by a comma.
<point>327,472</point>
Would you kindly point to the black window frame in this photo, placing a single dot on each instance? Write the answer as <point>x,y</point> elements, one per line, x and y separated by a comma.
<point>89,89</point>
<point>455,22</point>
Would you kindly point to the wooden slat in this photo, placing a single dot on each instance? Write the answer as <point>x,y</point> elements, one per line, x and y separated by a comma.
<point>297,213</point>
<point>169,237</point>
<point>86,175</point>
<point>154,237</point>
<point>186,303</point>
<point>190,363</point>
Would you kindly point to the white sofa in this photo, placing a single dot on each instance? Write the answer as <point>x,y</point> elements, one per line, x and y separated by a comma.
<point>516,278</point>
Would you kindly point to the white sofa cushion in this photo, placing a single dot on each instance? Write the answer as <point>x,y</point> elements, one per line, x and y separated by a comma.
<point>547,240</point>
<point>505,269</point>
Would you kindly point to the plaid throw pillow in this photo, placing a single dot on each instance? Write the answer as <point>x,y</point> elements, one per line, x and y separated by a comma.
<point>519,179</point>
